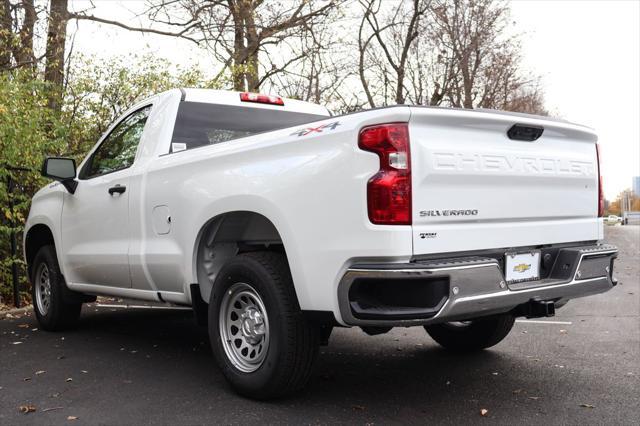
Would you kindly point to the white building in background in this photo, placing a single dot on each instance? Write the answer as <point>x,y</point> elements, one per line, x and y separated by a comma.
<point>635,185</point>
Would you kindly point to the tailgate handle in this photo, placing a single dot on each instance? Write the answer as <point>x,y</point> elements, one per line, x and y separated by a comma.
<point>525,132</point>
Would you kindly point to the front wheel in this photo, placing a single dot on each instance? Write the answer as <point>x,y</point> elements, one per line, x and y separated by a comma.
<point>474,335</point>
<point>54,309</point>
<point>260,339</point>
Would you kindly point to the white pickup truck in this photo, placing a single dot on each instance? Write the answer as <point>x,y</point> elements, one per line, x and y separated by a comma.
<point>276,222</point>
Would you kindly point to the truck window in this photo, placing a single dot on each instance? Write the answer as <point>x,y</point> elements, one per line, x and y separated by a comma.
<point>118,150</point>
<point>200,124</point>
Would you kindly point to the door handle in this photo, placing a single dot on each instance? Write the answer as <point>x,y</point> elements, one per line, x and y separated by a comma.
<point>117,189</point>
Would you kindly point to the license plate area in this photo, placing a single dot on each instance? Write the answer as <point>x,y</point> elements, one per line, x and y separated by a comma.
<point>522,266</point>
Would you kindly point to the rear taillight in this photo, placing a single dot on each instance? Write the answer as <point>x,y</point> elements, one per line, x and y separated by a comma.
<point>600,189</point>
<point>261,99</point>
<point>389,190</point>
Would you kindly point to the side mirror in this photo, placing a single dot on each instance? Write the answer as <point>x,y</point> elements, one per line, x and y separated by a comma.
<point>61,169</point>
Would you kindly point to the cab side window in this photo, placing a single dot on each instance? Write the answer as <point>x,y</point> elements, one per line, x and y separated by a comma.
<point>118,150</point>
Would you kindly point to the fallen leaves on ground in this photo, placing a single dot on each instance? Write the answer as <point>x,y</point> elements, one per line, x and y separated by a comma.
<point>40,372</point>
<point>23,325</point>
<point>587,406</point>
<point>52,409</point>
<point>69,379</point>
<point>484,412</point>
<point>72,418</point>
<point>358,407</point>
<point>26,409</point>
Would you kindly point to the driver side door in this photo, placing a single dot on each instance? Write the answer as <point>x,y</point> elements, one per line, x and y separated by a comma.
<point>95,219</point>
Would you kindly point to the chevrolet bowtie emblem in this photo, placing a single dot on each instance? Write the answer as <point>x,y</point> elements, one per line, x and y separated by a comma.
<point>522,267</point>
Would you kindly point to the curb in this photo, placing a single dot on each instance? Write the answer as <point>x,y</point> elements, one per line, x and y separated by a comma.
<point>18,311</point>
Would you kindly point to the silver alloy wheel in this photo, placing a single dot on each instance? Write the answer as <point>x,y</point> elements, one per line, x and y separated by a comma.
<point>43,289</point>
<point>244,327</point>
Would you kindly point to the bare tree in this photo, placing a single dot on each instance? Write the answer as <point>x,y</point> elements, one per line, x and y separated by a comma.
<point>240,32</point>
<point>484,60</point>
<point>443,52</point>
<point>311,66</point>
<point>395,37</point>
<point>237,32</point>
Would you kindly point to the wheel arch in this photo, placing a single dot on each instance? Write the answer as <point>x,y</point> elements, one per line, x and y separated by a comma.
<point>38,236</point>
<point>226,235</point>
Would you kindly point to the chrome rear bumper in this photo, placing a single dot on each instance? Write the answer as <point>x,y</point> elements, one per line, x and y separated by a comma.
<point>465,287</point>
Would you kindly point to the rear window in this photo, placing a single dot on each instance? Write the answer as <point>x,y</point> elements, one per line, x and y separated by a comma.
<point>199,124</point>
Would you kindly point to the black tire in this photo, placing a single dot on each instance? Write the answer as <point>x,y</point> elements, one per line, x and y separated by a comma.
<point>61,313</point>
<point>472,335</point>
<point>293,341</point>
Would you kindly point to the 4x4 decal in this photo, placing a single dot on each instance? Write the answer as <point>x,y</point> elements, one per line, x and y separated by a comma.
<point>319,129</point>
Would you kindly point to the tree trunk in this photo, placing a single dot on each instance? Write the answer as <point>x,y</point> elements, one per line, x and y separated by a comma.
<point>5,34</point>
<point>467,85</point>
<point>238,46</point>
<point>400,86</point>
<point>253,43</point>
<point>24,52</point>
<point>56,42</point>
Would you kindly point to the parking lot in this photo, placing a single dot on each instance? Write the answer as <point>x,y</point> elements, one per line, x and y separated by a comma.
<point>154,366</point>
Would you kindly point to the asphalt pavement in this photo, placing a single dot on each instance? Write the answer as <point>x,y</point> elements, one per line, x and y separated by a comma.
<point>154,366</point>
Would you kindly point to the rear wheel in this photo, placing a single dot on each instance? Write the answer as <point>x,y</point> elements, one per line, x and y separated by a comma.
<point>474,335</point>
<point>51,303</point>
<point>260,339</point>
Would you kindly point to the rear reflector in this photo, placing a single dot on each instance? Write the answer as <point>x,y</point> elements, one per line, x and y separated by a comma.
<point>261,99</point>
<point>600,189</point>
<point>389,190</point>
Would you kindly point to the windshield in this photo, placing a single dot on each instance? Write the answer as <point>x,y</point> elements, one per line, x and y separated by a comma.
<point>199,124</point>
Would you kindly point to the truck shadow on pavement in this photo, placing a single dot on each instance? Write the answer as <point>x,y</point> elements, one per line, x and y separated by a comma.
<point>402,365</point>
<point>138,366</point>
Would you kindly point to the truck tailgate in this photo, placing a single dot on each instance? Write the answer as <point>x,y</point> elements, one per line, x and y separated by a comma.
<point>476,188</point>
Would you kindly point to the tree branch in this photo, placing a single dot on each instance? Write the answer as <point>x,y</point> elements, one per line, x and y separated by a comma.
<point>179,34</point>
